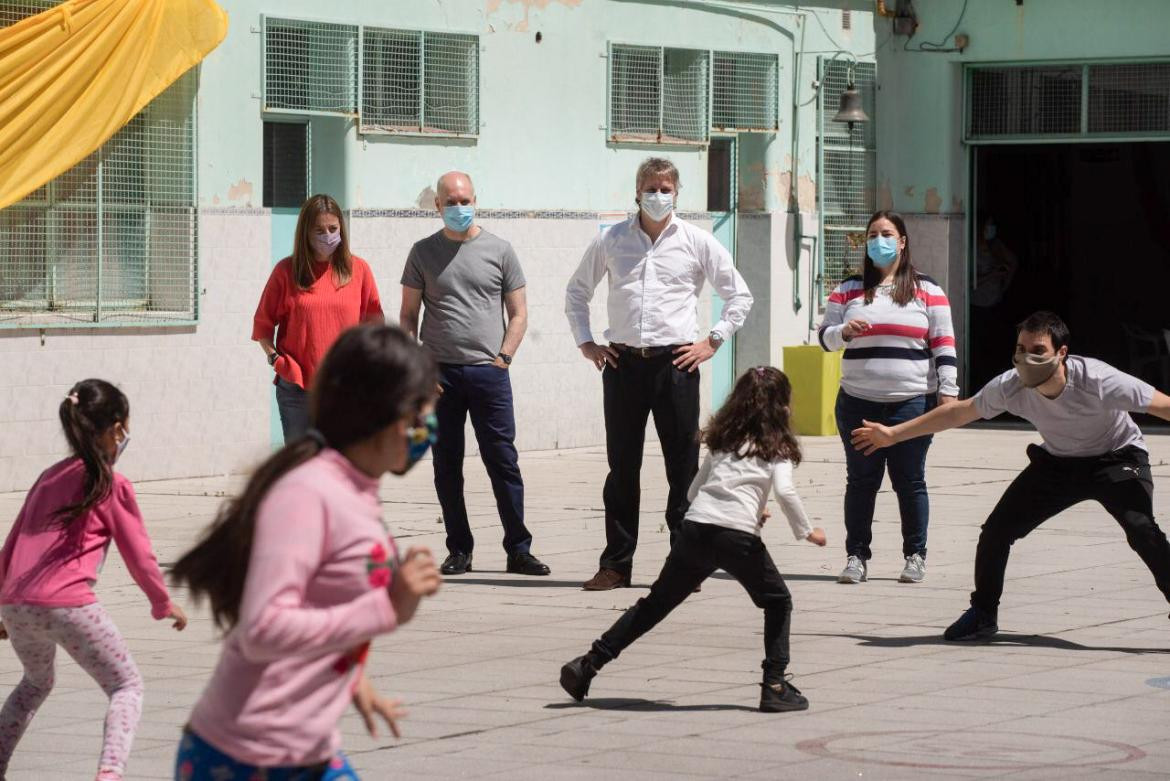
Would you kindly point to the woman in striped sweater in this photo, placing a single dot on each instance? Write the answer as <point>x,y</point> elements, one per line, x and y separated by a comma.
<point>895,327</point>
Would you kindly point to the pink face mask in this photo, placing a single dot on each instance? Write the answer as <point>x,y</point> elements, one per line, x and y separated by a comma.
<point>325,243</point>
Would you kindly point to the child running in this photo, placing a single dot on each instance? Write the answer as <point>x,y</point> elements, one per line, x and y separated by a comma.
<point>50,563</point>
<point>302,573</point>
<point>750,449</point>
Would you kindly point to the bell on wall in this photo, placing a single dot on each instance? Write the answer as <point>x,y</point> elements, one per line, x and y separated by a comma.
<point>851,110</point>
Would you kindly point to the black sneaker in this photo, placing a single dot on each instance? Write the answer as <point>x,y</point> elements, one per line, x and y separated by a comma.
<point>456,564</point>
<point>526,564</point>
<point>575,677</point>
<point>975,624</point>
<point>781,697</point>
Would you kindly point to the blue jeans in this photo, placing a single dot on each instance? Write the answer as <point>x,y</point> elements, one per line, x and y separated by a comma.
<point>198,760</point>
<point>906,462</point>
<point>484,392</point>
<point>293,402</point>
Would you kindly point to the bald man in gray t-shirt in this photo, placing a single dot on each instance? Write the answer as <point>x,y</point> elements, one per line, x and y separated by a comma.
<point>1091,449</point>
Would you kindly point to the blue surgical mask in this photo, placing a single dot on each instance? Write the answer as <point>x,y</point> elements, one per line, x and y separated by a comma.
<point>458,218</point>
<point>882,250</point>
<point>123,443</point>
<point>419,439</point>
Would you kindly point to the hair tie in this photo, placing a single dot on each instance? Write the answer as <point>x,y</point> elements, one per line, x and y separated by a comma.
<point>73,398</point>
<point>760,371</point>
<point>316,436</point>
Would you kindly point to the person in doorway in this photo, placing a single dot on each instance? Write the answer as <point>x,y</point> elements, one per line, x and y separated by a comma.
<point>469,278</point>
<point>1091,449</point>
<point>752,451</point>
<point>656,264</point>
<point>311,297</point>
<point>895,327</point>
<point>995,266</point>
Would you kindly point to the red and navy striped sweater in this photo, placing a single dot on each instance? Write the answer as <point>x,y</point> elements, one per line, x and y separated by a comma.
<point>907,351</point>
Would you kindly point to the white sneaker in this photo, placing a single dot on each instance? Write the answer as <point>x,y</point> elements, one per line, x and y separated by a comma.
<point>915,571</point>
<point>854,571</point>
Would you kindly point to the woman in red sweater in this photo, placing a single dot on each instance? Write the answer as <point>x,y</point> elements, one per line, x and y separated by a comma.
<point>311,297</point>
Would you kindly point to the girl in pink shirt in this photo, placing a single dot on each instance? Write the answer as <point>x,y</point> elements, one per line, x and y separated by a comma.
<point>50,563</point>
<point>301,571</point>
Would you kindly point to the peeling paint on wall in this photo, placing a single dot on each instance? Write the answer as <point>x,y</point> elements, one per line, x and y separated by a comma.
<point>885,197</point>
<point>956,205</point>
<point>933,201</point>
<point>426,199</point>
<point>241,191</point>
<point>806,193</point>
<point>909,191</point>
<point>521,26</point>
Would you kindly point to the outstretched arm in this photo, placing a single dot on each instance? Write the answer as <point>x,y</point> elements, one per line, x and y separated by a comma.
<point>1160,406</point>
<point>874,436</point>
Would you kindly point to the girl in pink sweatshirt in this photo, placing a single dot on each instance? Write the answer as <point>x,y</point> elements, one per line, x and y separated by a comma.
<point>50,563</point>
<point>301,571</point>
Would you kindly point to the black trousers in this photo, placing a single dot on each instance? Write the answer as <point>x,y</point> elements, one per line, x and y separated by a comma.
<point>700,549</point>
<point>1121,481</point>
<point>637,388</point>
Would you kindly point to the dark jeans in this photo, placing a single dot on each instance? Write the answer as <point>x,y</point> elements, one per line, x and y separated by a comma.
<point>906,462</point>
<point>293,403</point>
<point>485,392</point>
<point>637,388</point>
<point>699,549</point>
<point>1121,481</point>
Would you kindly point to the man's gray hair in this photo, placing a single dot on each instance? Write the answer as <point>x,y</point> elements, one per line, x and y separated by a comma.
<point>657,166</point>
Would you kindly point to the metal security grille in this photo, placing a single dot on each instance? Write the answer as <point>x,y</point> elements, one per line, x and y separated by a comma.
<point>1074,101</point>
<point>112,240</point>
<point>420,82</point>
<point>286,164</point>
<point>310,67</point>
<point>658,94</point>
<point>846,181</point>
<point>1129,98</point>
<point>745,91</point>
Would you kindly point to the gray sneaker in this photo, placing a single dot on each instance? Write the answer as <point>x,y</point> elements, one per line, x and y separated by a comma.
<point>915,571</point>
<point>854,571</point>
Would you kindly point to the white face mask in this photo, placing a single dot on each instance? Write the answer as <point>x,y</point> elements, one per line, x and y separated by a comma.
<point>657,206</point>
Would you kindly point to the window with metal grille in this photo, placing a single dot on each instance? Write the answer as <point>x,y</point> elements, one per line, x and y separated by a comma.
<point>846,171</point>
<point>310,67</point>
<point>113,239</point>
<point>658,94</point>
<point>419,82</point>
<point>745,91</point>
<point>1129,98</point>
<point>1073,100</point>
<point>286,164</point>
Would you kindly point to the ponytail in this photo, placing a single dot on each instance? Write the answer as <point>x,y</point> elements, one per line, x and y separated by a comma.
<point>90,409</point>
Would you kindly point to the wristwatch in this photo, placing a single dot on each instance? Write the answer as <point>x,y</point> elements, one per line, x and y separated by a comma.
<point>716,340</point>
<point>272,356</point>
<point>507,359</point>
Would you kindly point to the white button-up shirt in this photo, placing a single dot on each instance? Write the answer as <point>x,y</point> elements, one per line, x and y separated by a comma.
<point>654,286</point>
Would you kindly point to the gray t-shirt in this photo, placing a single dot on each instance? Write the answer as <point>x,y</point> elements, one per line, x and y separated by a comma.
<point>1090,417</point>
<point>463,286</point>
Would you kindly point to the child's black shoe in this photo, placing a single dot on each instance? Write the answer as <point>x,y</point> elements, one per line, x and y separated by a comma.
<point>781,697</point>
<point>575,677</point>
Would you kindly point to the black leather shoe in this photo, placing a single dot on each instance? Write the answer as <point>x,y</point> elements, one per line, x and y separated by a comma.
<point>781,697</point>
<point>526,564</point>
<point>575,677</point>
<point>456,564</point>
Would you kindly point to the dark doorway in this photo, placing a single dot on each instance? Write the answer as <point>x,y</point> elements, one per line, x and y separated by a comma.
<point>719,175</point>
<point>1082,230</point>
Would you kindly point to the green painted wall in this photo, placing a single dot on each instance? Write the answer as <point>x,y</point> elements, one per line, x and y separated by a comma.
<point>542,106</point>
<point>922,164</point>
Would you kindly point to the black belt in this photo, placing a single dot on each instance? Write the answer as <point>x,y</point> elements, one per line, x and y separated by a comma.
<point>645,352</point>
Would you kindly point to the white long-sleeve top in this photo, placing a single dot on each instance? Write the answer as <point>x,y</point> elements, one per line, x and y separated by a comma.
<point>654,286</point>
<point>732,492</point>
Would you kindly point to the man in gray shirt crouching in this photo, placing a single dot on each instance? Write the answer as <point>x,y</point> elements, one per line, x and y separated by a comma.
<point>468,278</point>
<point>1092,449</point>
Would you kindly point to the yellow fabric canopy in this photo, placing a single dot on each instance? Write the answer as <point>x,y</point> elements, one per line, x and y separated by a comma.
<point>72,76</point>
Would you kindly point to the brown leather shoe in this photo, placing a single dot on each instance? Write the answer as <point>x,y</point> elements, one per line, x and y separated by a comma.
<point>606,579</point>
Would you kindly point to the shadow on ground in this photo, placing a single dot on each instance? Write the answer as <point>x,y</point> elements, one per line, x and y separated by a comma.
<point>1003,638</point>
<point>640,705</point>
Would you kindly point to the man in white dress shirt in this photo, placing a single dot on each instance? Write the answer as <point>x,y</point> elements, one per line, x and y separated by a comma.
<point>656,264</point>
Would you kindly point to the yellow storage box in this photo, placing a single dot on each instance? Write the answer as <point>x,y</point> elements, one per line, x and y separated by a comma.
<point>816,378</point>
